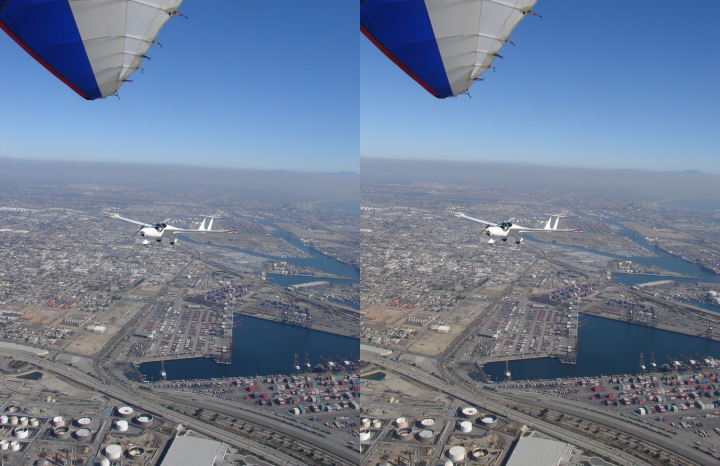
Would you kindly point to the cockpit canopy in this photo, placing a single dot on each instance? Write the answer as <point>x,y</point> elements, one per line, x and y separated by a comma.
<point>505,226</point>
<point>160,226</point>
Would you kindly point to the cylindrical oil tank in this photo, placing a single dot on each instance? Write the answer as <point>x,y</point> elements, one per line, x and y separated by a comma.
<point>15,445</point>
<point>364,435</point>
<point>21,432</point>
<point>403,434</point>
<point>426,423</point>
<point>489,419</point>
<point>121,425</point>
<point>465,426</point>
<point>34,422</point>
<point>83,434</point>
<point>401,423</point>
<point>105,462</point>
<point>58,421</point>
<point>3,419</point>
<point>61,432</point>
<point>114,452</point>
<point>4,444</point>
<point>135,452</point>
<point>456,453</point>
<point>146,419</point>
<point>478,453</point>
<point>469,413</point>
<point>14,420</point>
<point>83,422</point>
<point>125,412</point>
<point>426,436</point>
<point>12,409</point>
<point>24,421</point>
<point>366,423</point>
<point>448,463</point>
<point>376,423</point>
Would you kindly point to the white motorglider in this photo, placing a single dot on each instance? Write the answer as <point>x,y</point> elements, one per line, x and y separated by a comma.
<point>157,230</point>
<point>507,230</point>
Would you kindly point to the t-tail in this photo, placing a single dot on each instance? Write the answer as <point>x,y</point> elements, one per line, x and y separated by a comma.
<point>207,223</point>
<point>552,222</point>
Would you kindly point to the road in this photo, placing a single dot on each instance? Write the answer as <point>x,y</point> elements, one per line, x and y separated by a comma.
<point>265,419</point>
<point>462,393</point>
<point>611,420</point>
<point>144,404</point>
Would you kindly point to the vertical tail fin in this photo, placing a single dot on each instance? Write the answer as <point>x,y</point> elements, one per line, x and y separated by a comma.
<point>552,222</point>
<point>206,224</point>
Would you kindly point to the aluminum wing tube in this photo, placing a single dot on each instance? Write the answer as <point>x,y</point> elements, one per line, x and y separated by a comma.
<point>90,45</point>
<point>442,44</point>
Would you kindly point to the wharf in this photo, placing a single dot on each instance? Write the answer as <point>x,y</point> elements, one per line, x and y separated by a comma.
<point>251,311</point>
<point>660,313</point>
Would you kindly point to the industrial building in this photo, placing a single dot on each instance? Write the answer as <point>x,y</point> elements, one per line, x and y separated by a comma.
<point>540,452</point>
<point>186,450</point>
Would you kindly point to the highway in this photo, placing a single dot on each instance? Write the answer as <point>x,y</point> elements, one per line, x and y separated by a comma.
<point>144,404</point>
<point>612,420</point>
<point>461,393</point>
<point>263,418</point>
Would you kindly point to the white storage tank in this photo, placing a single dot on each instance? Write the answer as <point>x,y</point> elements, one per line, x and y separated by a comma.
<point>4,444</point>
<point>24,421</point>
<point>125,412</point>
<point>465,426</point>
<point>105,462</point>
<point>456,453</point>
<point>114,452</point>
<point>22,432</point>
<point>401,422</point>
<point>366,423</point>
<point>364,435</point>
<point>376,424</point>
<point>469,413</point>
<point>121,425</point>
<point>34,422</point>
<point>489,419</point>
<point>3,419</point>
<point>426,436</point>
<point>58,421</point>
<point>84,422</point>
<point>83,434</point>
<point>15,445</point>
<point>14,420</point>
<point>146,419</point>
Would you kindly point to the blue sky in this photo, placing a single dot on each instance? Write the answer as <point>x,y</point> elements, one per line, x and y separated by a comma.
<point>613,84</point>
<point>241,83</point>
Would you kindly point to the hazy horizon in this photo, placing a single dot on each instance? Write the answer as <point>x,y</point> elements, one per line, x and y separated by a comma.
<point>621,182</point>
<point>270,183</point>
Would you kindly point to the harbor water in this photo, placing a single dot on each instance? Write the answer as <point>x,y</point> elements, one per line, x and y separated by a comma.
<point>609,347</point>
<point>262,347</point>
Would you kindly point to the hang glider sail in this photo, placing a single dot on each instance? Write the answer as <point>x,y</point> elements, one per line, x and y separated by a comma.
<point>444,45</point>
<point>93,46</point>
